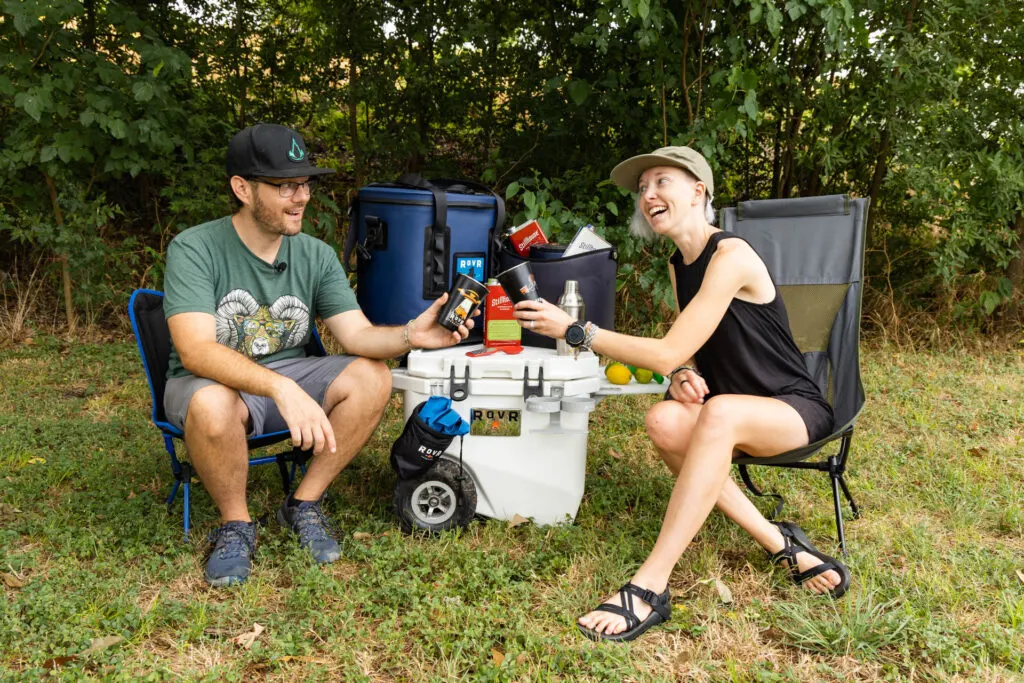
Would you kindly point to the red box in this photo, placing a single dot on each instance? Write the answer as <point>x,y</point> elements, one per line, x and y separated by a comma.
<point>501,328</point>
<point>527,235</point>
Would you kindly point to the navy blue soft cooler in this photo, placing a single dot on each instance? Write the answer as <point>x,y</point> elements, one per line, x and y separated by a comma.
<point>405,259</point>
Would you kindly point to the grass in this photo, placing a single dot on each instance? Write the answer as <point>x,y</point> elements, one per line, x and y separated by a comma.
<point>88,551</point>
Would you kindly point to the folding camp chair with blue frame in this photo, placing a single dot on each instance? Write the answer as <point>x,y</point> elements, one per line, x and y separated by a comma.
<point>146,312</point>
<point>814,250</point>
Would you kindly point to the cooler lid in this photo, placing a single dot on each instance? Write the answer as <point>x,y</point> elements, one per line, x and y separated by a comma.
<point>384,193</point>
<point>439,363</point>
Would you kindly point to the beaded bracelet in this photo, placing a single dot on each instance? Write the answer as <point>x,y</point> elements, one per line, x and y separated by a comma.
<point>685,367</point>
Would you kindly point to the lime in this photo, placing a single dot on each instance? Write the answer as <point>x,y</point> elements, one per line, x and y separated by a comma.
<point>617,373</point>
<point>643,375</point>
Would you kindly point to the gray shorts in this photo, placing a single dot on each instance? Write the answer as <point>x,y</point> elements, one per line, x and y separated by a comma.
<point>314,375</point>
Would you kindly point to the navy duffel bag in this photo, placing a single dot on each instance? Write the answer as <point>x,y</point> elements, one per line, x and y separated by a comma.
<point>412,237</point>
<point>594,271</point>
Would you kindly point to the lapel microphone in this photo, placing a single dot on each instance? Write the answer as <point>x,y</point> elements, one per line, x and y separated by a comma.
<point>281,266</point>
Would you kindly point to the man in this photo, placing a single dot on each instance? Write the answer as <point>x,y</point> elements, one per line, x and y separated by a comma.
<point>242,295</point>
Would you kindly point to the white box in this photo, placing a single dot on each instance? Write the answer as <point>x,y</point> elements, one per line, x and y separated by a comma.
<point>538,474</point>
<point>585,239</point>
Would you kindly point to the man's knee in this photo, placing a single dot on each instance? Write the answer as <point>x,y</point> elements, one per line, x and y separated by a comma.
<point>216,411</point>
<point>369,381</point>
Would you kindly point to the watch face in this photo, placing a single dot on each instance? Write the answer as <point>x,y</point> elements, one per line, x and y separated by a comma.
<point>575,335</point>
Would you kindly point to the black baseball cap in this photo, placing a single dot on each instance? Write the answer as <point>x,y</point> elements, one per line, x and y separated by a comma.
<point>270,151</point>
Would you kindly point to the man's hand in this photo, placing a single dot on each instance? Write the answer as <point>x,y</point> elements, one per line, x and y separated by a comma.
<point>688,387</point>
<point>427,333</point>
<point>306,420</point>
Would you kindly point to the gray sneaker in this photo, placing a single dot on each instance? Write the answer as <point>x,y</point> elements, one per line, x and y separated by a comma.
<point>314,530</point>
<point>233,545</point>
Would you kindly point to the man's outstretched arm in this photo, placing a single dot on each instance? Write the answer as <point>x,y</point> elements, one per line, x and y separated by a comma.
<point>360,337</point>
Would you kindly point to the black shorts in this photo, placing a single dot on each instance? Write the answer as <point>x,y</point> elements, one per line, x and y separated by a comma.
<point>817,416</point>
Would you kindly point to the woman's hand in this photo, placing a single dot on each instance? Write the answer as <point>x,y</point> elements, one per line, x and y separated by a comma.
<point>543,318</point>
<point>688,387</point>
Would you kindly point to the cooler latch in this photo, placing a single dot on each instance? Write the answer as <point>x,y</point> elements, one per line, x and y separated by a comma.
<point>537,390</point>
<point>376,233</point>
<point>458,391</point>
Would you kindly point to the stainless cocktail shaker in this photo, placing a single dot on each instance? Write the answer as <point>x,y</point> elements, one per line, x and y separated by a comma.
<point>571,302</point>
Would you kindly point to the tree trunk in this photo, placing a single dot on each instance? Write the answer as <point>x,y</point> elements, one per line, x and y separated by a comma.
<point>240,47</point>
<point>881,167</point>
<point>353,118</point>
<point>682,67</point>
<point>65,267</point>
<point>1015,269</point>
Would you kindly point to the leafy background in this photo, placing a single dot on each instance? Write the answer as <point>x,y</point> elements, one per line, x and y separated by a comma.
<point>115,115</point>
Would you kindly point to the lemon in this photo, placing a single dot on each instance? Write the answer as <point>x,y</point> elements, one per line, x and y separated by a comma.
<point>643,375</point>
<point>617,373</point>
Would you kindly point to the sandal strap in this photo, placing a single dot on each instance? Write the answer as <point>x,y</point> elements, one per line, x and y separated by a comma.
<point>659,603</point>
<point>792,546</point>
<point>800,577</point>
<point>631,619</point>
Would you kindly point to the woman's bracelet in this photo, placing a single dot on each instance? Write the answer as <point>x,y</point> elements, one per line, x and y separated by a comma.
<point>685,367</point>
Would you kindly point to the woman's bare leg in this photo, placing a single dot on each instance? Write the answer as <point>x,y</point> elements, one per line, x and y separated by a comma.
<point>701,456</point>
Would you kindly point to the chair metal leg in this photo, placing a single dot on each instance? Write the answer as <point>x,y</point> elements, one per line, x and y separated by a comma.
<point>836,478</point>
<point>282,467</point>
<point>853,506</point>
<point>174,492</point>
<point>187,515</point>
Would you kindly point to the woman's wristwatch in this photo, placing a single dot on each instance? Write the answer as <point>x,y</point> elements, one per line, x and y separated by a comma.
<point>580,335</point>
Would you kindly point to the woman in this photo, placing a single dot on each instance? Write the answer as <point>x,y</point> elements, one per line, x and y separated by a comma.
<point>749,390</point>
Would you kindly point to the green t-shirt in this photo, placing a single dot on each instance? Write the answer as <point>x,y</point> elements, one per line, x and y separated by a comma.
<point>262,311</point>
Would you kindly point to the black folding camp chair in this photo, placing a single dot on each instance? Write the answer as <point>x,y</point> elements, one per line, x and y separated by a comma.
<point>146,311</point>
<point>814,249</point>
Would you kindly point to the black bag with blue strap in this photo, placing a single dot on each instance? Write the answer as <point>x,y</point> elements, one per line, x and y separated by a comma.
<point>428,433</point>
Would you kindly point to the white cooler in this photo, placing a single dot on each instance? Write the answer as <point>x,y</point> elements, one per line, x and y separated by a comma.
<point>528,413</point>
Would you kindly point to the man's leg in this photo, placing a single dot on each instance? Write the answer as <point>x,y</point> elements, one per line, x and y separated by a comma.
<point>215,427</point>
<point>354,403</point>
<point>215,435</point>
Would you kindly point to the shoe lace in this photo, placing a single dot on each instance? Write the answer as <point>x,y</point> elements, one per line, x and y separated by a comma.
<point>233,540</point>
<point>312,524</point>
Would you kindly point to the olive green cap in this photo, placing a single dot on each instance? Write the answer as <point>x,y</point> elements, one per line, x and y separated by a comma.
<point>627,174</point>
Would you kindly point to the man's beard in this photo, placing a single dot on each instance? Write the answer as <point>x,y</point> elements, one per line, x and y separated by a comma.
<point>267,219</point>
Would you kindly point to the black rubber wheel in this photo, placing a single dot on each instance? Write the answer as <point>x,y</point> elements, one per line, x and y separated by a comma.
<point>436,501</point>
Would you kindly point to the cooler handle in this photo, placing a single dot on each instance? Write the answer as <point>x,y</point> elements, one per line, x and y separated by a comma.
<point>436,245</point>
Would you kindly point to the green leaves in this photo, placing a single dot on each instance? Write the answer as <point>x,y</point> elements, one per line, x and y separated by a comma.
<point>579,90</point>
<point>143,91</point>
<point>32,102</point>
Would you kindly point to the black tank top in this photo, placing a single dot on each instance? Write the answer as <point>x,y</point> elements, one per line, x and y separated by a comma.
<point>752,350</point>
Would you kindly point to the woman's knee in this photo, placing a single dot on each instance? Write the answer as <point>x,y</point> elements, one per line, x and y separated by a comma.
<point>668,425</point>
<point>718,418</point>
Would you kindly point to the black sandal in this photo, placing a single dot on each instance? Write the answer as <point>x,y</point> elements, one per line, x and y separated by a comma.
<point>661,611</point>
<point>796,541</point>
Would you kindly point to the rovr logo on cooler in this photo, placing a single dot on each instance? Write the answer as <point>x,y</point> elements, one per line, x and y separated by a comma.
<point>488,414</point>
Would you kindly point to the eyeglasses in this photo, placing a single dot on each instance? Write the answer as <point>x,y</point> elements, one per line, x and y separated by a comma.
<point>287,189</point>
